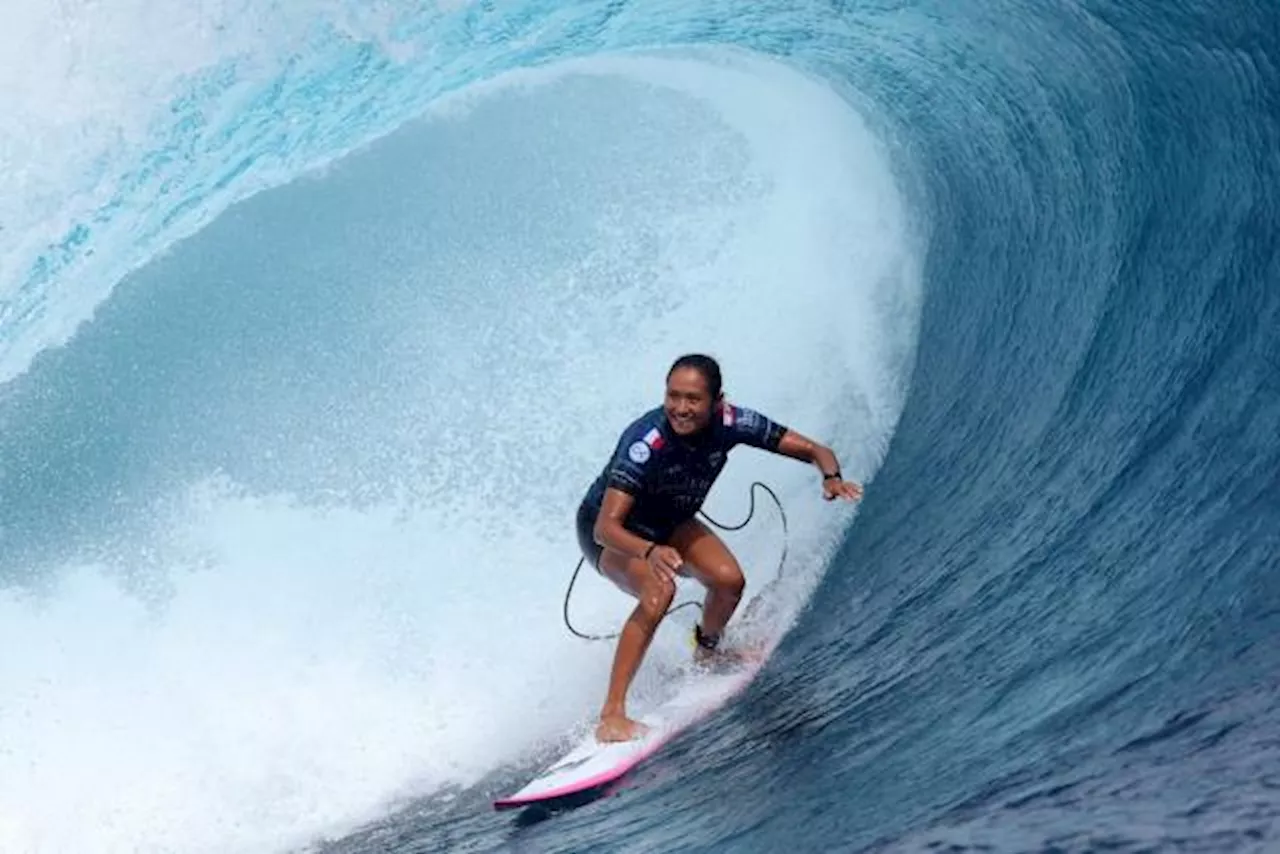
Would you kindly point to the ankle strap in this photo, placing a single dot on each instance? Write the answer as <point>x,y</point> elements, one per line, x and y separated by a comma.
<point>705,641</point>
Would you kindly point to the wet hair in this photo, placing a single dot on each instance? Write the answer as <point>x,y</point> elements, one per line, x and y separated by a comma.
<point>705,365</point>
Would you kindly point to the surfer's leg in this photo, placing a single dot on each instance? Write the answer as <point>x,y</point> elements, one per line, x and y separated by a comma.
<point>709,560</point>
<point>654,597</point>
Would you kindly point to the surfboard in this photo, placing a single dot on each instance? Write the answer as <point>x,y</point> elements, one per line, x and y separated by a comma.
<point>592,767</point>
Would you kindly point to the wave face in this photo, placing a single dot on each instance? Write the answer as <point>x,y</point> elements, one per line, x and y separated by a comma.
<point>316,321</point>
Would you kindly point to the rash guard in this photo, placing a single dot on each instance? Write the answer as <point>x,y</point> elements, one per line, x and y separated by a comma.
<point>670,475</point>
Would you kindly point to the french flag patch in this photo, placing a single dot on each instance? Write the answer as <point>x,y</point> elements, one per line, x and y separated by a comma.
<point>653,439</point>
<point>727,415</point>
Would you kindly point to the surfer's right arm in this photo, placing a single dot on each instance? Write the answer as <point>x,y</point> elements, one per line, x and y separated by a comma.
<point>610,533</point>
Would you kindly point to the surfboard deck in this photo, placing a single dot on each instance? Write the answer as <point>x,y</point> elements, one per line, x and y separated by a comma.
<point>591,767</point>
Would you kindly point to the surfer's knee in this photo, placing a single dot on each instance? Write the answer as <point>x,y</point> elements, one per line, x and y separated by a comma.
<point>729,580</point>
<point>655,599</point>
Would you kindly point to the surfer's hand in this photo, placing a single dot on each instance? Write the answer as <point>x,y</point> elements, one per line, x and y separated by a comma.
<point>664,561</point>
<point>846,489</point>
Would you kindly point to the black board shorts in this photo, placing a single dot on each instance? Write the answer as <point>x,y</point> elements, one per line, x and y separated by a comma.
<point>591,550</point>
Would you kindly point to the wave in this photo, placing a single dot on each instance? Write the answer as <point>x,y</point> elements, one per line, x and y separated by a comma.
<point>304,477</point>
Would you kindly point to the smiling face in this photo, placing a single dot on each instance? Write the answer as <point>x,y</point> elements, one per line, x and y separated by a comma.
<point>688,402</point>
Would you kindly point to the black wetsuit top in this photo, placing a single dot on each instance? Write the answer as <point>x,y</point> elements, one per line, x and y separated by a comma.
<point>670,475</point>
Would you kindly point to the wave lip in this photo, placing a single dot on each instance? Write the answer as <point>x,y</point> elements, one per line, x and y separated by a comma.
<point>284,529</point>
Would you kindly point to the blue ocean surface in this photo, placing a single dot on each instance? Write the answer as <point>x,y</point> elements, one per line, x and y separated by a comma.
<point>317,318</point>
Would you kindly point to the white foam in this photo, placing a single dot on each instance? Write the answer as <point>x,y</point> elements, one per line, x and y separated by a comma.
<point>304,665</point>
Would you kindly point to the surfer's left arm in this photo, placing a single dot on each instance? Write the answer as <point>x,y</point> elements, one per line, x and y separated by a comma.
<point>801,447</point>
<point>753,428</point>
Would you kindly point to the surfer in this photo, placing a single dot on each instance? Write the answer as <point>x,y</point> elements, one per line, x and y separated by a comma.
<point>637,524</point>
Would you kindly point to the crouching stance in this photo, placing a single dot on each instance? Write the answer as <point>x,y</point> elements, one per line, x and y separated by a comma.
<point>637,522</point>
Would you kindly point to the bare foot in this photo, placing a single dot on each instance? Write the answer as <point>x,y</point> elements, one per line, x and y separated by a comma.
<point>619,728</point>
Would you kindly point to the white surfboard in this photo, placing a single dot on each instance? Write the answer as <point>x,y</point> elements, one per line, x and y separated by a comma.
<point>592,766</point>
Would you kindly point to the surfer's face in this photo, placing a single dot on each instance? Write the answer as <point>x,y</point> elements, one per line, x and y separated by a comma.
<point>688,403</point>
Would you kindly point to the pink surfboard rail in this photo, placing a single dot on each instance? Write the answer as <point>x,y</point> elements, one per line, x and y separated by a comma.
<point>585,784</point>
<point>697,699</point>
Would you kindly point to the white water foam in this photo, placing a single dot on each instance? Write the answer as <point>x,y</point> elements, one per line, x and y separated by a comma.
<point>298,667</point>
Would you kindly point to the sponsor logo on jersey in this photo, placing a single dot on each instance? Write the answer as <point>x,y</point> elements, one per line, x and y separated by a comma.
<point>638,452</point>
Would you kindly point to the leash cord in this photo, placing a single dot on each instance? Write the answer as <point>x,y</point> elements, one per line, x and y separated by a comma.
<point>751,511</point>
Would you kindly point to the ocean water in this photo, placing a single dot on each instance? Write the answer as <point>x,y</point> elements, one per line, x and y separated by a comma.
<point>317,318</point>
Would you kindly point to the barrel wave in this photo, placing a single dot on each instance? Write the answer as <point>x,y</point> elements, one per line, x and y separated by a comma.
<point>316,321</point>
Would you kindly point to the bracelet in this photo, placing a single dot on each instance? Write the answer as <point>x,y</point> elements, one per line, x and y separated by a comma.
<point>835,474</point>
<point>645,556</point>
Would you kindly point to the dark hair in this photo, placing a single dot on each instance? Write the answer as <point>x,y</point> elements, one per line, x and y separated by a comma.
<point>705,365</point>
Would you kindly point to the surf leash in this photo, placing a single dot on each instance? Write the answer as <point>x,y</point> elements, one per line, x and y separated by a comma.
<point>751,511</point>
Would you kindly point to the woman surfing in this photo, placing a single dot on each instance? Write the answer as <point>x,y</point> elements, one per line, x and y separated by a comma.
<point>637,523</point>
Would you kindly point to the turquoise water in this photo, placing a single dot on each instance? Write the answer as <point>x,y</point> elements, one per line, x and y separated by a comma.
<point>316,320</point>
